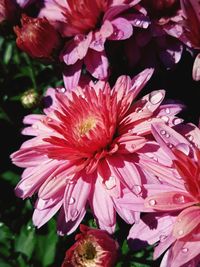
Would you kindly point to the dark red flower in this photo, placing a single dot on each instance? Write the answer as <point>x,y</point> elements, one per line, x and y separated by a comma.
<point>93,247</point>
<point>37,37</point>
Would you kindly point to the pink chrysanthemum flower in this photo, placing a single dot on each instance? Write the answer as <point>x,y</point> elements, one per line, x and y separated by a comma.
<point>163,41</point>
<point>85,151</point>
<point>88,24</point>
<point>176,226</point>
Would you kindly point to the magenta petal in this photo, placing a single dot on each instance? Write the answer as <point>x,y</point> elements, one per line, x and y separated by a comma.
<point>76,50</point>
<point>97,64</point>
<point>122,29</point>
<point>71,75</point>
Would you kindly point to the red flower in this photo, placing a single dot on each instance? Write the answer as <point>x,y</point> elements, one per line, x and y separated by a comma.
<point>37,37</point>
<point>93,247</point>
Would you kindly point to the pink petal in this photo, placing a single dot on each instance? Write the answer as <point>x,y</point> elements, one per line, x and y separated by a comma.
<point>184,251</point>
<point>40,217</point>
<point>122,29</point>
<point>165,242</point>
<point>69,227</point>
<point>196,68</point>
<point>76,49</point>
<point>152,228</point>
<point>76,196</point>
<point>167,137</point>
<point>186,222</point>
<point>169,201</point>
<point>102,205</point>
<point>71,75</point>
<point>97,64</point>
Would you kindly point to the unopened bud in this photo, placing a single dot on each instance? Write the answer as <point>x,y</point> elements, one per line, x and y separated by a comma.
<point>37,37</point>
<point>30,98</point>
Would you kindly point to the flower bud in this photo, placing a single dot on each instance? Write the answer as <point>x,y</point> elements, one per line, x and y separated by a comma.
<point>93,247</point>
<point>30,98</point>
<point>37,37</point>
<point>8,10</point>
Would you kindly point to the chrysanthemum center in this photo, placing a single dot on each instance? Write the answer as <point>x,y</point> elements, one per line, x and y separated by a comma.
<point>85,254</point>
<point>84,15</point>
<point>86,125</point>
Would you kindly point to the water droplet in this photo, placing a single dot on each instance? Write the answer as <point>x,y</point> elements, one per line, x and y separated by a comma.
<point>179,199</point>
<point>110,183</point>
<point>184,250</point>
<point>162,238</point>
<point>170,145</point>
<point>149,120</point>
<point>74,213</point>
<point>163,132</point>
<point>137,189</point>
<point>71,201</point>
<point>190,137</point>
<point>61,90</point>
<point>180,232</point>
<point>145,25</point>
<point>179,220</point>
<point>133,146</point>
<point>29,227</point>
<point>155,97</point>
<point>138,110</point>
<point>1,224</point>
<point>154,158</point>
<point>152,202</point>
<point>167,135</point>
<point>165,118</point>
<point>137,23</point>
<point>177,121</point>
<point>34,126</point>
<point>167,110</point>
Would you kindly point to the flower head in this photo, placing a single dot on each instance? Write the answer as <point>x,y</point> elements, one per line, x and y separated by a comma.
<point>88,24</point>
<point>177,225</point>
<point>86,148</point>
<point>34,35</point>
<point>93,247</point>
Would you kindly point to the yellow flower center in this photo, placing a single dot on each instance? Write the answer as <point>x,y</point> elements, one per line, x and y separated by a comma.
<point>86,125</point>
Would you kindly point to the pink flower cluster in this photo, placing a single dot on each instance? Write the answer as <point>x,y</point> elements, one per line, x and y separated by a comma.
<point>105,147</point>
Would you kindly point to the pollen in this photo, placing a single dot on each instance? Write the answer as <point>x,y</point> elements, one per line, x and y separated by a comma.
<point>86,125</point>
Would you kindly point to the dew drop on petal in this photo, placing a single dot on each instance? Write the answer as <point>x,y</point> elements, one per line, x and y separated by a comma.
<point>167,135</point>
<point>110,183</point>
<point>190,137</point>
<point>152,202</point>
<point>137,189</point>
<point>170,145</point>
<point>180,232</point>
<point>162,238</point>
<point>163,132</point>
<point>71,201</point>
<point>177,121</point>
<point>179,199</point>
<point>184,250</point>
<point>167,110</point>
<point>34,126</point>
<point>138,110</point>
<point>155,97</point>
<point>165,118</point>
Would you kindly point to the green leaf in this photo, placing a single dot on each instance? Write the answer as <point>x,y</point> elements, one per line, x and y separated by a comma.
<point>4,264</point>
<point>46,245</point>
<point>10,177</point>
<point>8,53</point>
<point>125,248</point>
<point>26,240</point>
